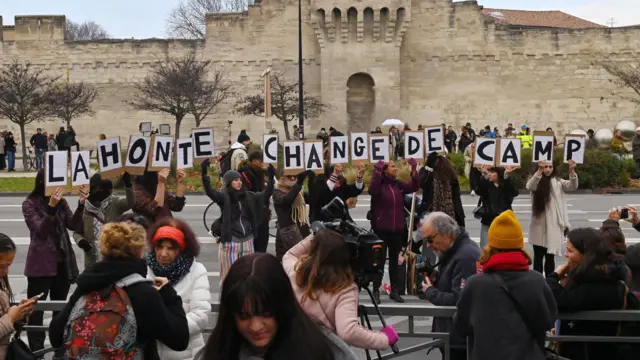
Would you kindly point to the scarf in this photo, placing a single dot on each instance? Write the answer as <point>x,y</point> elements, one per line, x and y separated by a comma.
<point>174,271</point>
<point>68,257</point>
<point>442,197</point>
<point>514,260</point>
<point>298,207</point>
<point>97,213</point>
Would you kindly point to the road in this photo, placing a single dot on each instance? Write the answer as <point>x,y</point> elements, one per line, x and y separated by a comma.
<point>584,211</point>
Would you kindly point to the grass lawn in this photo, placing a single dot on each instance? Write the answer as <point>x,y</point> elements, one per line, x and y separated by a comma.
<point>21,184</point>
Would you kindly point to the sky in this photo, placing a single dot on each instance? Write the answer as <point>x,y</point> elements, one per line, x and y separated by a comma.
<point>146,18</point>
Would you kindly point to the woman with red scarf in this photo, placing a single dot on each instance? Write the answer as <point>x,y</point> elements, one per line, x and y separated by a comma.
<point>508,308</point>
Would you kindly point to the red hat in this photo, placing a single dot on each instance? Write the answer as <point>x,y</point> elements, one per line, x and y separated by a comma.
<point>171,233</point>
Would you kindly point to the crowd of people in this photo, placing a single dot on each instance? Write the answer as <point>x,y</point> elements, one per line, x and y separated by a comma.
<point>142,276</point>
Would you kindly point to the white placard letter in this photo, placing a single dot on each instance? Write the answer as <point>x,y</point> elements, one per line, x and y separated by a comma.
<point>485,152</point>
<point>109,157</point>
<point>542,146</point>
<point>339,150</point>
<point>293,155</point>
<point>162,152</point>
<point>413,145</point>
<point>574,147</point>
<point>270,149</point>
<point>313,155</point>
<point>359,147</point>
<point>56,165</point>
<point>203,147</point>
<point>184,153</point>
<point>433,139</point>
<point>509,152</point>
<point>138,151</point>
<point>379,148</point>
<point>80,161</point>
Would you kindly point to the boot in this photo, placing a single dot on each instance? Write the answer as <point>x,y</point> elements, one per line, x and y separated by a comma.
<point>395,296</point>
<point>376,294</point>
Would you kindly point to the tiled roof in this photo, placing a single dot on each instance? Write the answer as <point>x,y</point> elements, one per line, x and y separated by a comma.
<point>552,19</point>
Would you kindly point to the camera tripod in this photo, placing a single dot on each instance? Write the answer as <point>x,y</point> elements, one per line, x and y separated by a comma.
<point>364,317</point>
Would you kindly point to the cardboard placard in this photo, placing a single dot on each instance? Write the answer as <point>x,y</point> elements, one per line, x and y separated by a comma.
<point>574,147</point>
<point>55,171</point>
<point>379,148</point>
<point>184,154</point>
<point>313,151</point>
<point>161,152</point>
<point>338,150</point>
<point>414,145</point>
<point>80,165</point>
<point>434,139</point>
<point>293,157</point>
<point>485,152</point>
<point>270,149</point>
<point>110,158</point>
<point>542,146</point>
<point>203,144</point>
<point>359,147</point>
<point>137,154</point>
<point>509,153</point>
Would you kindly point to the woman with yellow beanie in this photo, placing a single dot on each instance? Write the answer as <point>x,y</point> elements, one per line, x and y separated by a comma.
<point>508,308</point>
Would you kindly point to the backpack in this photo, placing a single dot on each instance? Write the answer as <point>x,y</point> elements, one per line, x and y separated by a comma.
<point>225,162</point>
<point>102,324</point>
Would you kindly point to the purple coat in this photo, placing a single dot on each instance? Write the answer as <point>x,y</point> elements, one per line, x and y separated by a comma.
<point>387,199</point>
<point>42,259</point>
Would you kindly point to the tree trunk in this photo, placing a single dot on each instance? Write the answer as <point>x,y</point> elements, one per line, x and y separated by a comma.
<point>23,139</point>
<point>178,122</point>
<point>286,130</point>
<point>68,121</point>
<point>198,120</point>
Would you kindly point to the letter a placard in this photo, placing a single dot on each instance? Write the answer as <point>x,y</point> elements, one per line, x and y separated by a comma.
<point>80,161</point>
<point>508,152</point>
<point>313,151</point>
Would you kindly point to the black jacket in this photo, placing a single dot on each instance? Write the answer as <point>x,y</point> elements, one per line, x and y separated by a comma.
<point>495,199</point>
<point>159,314</point>
<point>426,183</point>
<point>457,264</point>
<point>495,328</point>
<point>320,195</point>
<point>39,141</point>
<point>598,290</point>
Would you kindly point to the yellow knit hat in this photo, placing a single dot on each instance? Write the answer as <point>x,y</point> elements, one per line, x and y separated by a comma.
<point>505,232</point>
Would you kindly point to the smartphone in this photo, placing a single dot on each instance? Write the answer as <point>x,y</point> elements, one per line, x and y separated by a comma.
<point>37,297</point>
<point>624,213</point>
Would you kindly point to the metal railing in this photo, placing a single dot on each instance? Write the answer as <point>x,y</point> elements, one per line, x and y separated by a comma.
<point>411,311</point>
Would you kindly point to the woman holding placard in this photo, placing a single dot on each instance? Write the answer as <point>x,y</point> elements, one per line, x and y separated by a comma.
<point>497,192</point>
<point>324,188</point>
<point>549,216</point>
<point>51,263</point>
<point>153,201</point>
<point>440,188</point>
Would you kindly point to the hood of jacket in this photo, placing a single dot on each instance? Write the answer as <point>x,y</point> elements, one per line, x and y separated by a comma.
<point>109,271</point>
<point>237,145</point>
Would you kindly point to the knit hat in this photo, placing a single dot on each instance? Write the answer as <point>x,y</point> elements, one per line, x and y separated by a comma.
<point>229,176</point>
<point>505,232</point>
<point>243,137</point>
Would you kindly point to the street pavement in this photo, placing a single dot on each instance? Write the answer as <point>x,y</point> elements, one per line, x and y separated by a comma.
<point>586,210</point>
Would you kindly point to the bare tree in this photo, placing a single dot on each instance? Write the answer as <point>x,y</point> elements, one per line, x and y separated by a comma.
<point>625,76</point>
<point>174,88</point>
<point>72,100</point>
<point>284,102</point>
<point>88,30</point>
<point>187,20</point>
<point>25,97</point>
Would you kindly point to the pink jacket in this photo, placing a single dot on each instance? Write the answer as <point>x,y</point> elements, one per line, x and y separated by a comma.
<point>339,311</point>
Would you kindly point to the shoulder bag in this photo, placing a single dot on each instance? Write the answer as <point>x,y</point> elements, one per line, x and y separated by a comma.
<point>18,349</point>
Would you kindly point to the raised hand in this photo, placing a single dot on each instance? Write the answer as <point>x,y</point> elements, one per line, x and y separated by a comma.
<point>508,169</point>
<point>413,163</point>
<point>204,167</point>
<point>633,215</point>
<point>56,197</point>
<point>337,170</point>
<point>271,171</point>
<point>181,174</point>
<point>126,179</point>
<point>301,177</point>
<point>163,175</point>
<point>84,194</point>
<point>360,170</point>
<point>572,166</point>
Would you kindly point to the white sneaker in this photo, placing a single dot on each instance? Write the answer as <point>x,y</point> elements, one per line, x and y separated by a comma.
<point>473,193</point>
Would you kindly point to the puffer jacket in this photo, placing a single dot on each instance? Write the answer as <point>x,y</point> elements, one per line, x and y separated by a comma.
<point>6,326</point>
<point>387,200</point>
<point>196,301</point>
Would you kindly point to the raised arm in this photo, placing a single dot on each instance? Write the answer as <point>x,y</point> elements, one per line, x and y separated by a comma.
<point>412,185</point>
<point>376,179</point>
<point>572,183</point>
<point>129,202</point>
<point>211,192</point>
<point>271,180</point>
<point>534,180</point>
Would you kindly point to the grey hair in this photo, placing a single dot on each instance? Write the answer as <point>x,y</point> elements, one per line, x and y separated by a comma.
<point>443,224</point>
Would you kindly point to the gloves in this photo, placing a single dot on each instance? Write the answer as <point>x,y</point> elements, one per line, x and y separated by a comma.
<point>301,177</point>
<point>84,245</point>
<point>413,163</point>
<point>391,333</point>
<point>271,172</point>
<point>126,178</point>
<point>204,167</point>
<point>379,166</point>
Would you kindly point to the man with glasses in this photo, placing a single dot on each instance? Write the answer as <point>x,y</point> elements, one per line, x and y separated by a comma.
<point>457,258</point>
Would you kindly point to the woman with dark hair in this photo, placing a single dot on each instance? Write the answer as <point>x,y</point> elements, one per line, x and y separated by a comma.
<point>174,248</point>
<point>632,259</point>
<point>592,279</point>
<point>51,263</point>
<point>549,217</point>
<point>388,218</point>
<point>496,191</point>
<point>324,188</point>
<point>613,234</point>
<point>320,271</point>
<point>291,210</point>
<point>260,318</point>
<point>152,198</point>
<point>440,188</point>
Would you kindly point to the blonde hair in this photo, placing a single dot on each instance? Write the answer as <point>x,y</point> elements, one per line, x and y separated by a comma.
<point>123,239</point>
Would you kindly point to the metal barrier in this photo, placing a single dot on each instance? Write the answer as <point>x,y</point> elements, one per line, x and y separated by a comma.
<point>427,310</point>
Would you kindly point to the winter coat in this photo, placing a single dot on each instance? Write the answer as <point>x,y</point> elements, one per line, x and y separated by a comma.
<point>49,242</point>
<point>320,195</point>
<point>147,206</point>
<point>387,201</point>
<point>617,146</point>
<point>635,146</point>
<point>159,313</point>
<point>52,146</point>
<point>252,205</point>
<point>6,326</point>
<point>495,199</point>
<point>426,183</point>
<point>9,145</point>
<point>338,311</point>
<point>196,301</point>
<point>239,155</point>
<point>495,328</point>
<point>38,141</point>
<point>599,290</point>
<point>456,265</point>
<point>464,143</point>
<point>548,229</point>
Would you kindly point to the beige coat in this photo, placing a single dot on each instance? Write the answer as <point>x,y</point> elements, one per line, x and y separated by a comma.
<point>6,326</point>
<point>548,229</point>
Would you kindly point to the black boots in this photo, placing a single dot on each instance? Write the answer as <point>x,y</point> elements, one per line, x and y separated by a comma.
<point>376,294</point>
<point>395,296</point>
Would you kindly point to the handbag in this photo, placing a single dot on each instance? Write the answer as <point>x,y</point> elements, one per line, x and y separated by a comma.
<point>479,211</point>
<point>18,349</point>
<point>548,353</point>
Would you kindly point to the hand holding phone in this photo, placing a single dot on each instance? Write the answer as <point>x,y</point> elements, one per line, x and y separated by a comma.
<point>624,213</point>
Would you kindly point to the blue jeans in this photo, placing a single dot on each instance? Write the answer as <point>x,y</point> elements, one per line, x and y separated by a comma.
<point>11,159</point>
<point>484,235</point>
<point>39,158</point>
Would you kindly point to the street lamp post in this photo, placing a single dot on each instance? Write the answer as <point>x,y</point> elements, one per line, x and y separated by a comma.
<point>300,86</point>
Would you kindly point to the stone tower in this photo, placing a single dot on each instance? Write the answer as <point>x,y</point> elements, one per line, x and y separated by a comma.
<point>360,59</point>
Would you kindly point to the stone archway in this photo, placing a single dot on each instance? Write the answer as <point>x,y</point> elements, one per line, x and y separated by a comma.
<point>361,102</point>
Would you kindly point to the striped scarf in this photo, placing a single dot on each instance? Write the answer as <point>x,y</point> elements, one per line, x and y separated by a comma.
<point>299,208</point>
